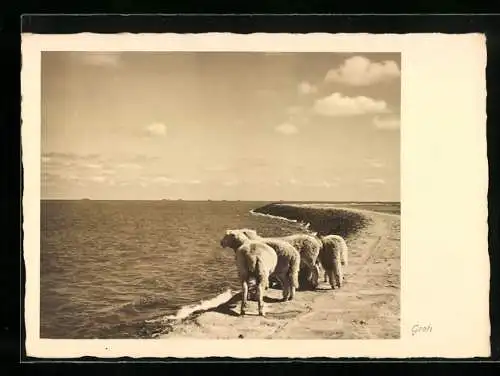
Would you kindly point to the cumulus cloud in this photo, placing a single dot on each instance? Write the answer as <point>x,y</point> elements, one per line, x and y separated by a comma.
<point>287,129</point>
<point>391,122</point>
<point>374,181</point>
<point>157,129</point>
<point>339,105</point>
<point>360,71</point>
<point>306,88</point>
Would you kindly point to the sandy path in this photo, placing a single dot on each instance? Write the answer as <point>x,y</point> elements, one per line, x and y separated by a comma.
<point>367,306</point>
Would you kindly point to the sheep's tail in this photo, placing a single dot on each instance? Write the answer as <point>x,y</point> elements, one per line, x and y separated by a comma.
<point>260,273</point>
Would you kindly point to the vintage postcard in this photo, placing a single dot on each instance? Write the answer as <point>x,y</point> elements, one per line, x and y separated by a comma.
<point>261,195</point>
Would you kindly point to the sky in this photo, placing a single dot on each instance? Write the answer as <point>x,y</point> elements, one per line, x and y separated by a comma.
<point>221,126</point>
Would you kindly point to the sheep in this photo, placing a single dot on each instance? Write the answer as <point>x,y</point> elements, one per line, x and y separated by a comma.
<point>308,247</point>
<point>287,269</point>
<point>333,257</point>
<point>254,260</point>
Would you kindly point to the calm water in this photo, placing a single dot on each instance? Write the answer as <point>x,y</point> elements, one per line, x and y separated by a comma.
<point>108,266</point>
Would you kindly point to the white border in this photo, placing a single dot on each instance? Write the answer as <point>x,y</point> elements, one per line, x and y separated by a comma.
<point>444,255</point>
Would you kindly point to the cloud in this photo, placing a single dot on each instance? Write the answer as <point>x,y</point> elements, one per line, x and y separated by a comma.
<point>339,105</point>
<point>374,181</point>
<point>68,156</point>
<point>375,163</point>
<point>164,180</point>
<point>98,179</point>
<point>109,59</point>
<point>390,123</point>
<point>306,88</point>
<point>231,183</point>
<point>360,71</point>
<point>59,161</point>
<point>287,129</point>
<point>50,176</point>
<point>73,177</point>
<point>130,166</point>
<point>95,166</point>
<point>157,129</point>
<point>142,182</point>
<point>216,168</point>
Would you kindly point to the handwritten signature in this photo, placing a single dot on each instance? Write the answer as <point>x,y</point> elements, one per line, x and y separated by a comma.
<point>417,328</point>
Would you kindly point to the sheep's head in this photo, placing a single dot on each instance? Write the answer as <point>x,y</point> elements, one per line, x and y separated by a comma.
<point>232,239</point>
<point>249,233</point>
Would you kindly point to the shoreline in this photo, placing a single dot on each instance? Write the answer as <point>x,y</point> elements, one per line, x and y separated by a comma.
<point>363,230</point>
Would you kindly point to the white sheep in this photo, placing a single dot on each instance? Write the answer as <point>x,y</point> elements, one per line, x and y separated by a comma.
<point>254,260</point>
<point>287,269</point>
<point>308,247</point>
<point>333,257</point>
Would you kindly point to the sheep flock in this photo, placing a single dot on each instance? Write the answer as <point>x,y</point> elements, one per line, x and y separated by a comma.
<point>261,260</point>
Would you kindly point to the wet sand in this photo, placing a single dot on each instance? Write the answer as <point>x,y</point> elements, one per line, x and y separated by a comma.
<point>366,307</point>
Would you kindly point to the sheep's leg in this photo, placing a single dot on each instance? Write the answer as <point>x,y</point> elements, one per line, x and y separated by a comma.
<point>279,280</point>
<point>285,287</point>
<point>291,288</point>
<point>315,276</point>
<point>244,297</point>
<point>260,298</point>
<point>344,257</point>
<point>331,278</point>
<point>322,268</point>
<point>312,273</point>
<point>339,275</point>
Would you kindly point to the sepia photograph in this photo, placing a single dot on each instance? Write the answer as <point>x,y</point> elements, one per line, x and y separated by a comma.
<point>181,191</point>
<point>239,193</point>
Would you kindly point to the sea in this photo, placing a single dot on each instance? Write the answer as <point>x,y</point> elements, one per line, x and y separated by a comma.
<point>128,269</point>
